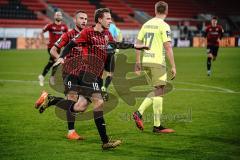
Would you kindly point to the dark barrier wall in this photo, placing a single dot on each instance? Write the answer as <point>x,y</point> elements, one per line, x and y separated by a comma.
<point>8,43</point>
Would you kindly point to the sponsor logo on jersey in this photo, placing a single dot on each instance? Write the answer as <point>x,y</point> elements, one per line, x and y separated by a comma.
<point>151,55</point>
<point>58,32</point>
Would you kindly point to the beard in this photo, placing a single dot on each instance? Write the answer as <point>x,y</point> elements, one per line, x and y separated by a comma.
<point>79,28</point>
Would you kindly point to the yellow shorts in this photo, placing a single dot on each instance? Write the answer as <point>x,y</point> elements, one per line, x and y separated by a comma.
<point>156,76</point>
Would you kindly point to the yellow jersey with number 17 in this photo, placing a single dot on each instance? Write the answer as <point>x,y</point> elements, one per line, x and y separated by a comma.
<point>153,34</point>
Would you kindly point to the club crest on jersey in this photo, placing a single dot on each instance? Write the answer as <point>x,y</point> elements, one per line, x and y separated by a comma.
<point>106,38</point>
<point>54,28</point>
<point>62,28</point>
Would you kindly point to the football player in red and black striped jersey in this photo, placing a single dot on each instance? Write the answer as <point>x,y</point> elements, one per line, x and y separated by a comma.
<point>81,22</point>
<point>94,41</point>
<point>89,66</point>
<point>55,30</point>
<point>213,33</point>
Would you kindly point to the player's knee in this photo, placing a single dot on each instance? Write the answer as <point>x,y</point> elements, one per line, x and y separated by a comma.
<point>81,106</point>
<point>159,91</point>
<point>110,74</point>
<point>98,104</point>
<point>72,95</point>
<point>210,56</point>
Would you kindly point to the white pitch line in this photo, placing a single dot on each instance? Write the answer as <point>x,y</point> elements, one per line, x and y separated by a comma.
<point>220,90</point>
<point>207,86</point>
<point>18,81</point>
<point>202,90</point>
<point>18,73</point>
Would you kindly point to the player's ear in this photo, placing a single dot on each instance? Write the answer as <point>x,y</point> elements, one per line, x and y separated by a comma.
<point>100,20</point>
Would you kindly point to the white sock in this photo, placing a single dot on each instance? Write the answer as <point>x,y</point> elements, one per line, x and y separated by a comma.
<point>71,131</point>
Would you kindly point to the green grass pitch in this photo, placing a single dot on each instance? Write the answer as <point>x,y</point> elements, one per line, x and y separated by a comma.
<point>204,111</point>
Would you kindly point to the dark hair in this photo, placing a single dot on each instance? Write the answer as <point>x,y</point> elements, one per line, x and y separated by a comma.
<point>99,13</point>
<point>79,11</point>
<point>161,7</point>
<point>215,17</point>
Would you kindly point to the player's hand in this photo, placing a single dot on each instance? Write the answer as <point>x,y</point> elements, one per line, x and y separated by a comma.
<point>174,72</point>
<point>138,68</point>
<point>59,61</point>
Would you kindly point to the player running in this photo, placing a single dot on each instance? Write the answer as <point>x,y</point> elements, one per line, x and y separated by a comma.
<point>46,99</point>
<point>55,30</point>
<point>213,33</point>
<point>156,34</point>
<point>94,41</point>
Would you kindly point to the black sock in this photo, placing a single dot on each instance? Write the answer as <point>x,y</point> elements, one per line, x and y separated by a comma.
<point>139,114</point>
<point>70,119</point>
<point>47,68</point>
<point>108,81</point>
<point>101,126</point>
<point>54,100</point>
<point>209,63</point>
<point>66,105</point>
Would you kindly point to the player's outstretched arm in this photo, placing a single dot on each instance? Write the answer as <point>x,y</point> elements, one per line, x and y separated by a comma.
<point>124,45</point>
<point>67,49</point>
<point>169,51</point>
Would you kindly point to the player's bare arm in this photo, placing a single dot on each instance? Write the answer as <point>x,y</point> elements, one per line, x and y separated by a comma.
<point>65,51</point>
<point>169,51</point>
<point>138,58</point>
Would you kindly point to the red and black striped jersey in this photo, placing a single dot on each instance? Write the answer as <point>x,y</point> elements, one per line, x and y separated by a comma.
<point>71,65</point>
<point>213,34</point>
<point>55,31</point>
<point>94,49</point>
<point>65,39</point>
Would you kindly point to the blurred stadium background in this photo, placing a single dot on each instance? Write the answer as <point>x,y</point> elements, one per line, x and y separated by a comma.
<point>22,20</point>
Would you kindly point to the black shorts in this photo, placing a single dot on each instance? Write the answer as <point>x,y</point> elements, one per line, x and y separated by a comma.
<point>110,63</point>
<point>213,50</point>
<point>85,84</point>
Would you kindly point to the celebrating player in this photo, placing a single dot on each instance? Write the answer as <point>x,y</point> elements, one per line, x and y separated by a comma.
<point>156,34</point>
<point>55,30</point>
<point>81,21</point>
<point>213,33</point>
<point>95,41</point>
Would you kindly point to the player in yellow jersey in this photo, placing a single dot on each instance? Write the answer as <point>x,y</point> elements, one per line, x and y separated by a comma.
<point>155,34</point>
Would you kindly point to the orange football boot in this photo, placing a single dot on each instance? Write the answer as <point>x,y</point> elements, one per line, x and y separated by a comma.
<point>42,100</point>
<point>74,136</point>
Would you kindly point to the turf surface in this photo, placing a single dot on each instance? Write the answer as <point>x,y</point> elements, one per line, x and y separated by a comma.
<point>203,110</point>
